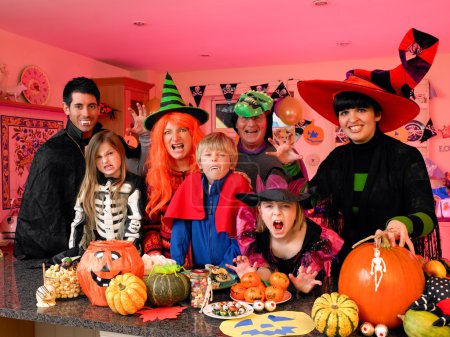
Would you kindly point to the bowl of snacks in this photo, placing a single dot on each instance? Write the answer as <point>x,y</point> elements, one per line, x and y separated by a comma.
<point>64,279</point>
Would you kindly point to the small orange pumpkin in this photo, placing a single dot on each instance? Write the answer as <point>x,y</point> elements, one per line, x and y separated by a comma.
<point>279,279</point>
<point>250,279</point>
<point>126,294</point>
<point>401,284</point>
<point>104,260</point>
<point>274,293</point>
<point>253,294</point>
<point>237,291</point>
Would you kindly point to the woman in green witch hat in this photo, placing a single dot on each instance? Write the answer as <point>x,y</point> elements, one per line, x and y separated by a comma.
<point>175,135</point>
<point>376,182</point>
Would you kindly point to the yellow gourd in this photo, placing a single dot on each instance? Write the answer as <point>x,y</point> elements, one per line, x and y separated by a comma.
<point>335,315</point>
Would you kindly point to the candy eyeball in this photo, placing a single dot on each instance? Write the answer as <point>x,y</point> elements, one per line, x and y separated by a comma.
<point>270,305</point>
<point>367,329</point>
<point>258,306</point>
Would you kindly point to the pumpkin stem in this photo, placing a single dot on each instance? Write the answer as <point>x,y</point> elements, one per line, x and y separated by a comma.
<point>121,286</point>
<point>402,317</point>
<point>384,240</point>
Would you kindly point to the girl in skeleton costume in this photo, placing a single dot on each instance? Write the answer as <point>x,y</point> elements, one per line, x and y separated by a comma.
<point>111,201</point>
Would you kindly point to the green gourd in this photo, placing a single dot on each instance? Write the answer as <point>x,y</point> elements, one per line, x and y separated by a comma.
<point>420,324</point>
<point>166,286</point>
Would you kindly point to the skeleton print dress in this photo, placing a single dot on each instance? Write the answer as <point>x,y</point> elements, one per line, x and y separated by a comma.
<point>119,218</point>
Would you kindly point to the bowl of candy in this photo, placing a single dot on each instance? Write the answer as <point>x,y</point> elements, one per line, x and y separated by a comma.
<point>64,279</point>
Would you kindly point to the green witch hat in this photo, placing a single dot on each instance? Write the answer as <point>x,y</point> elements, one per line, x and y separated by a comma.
<point>171,101</point>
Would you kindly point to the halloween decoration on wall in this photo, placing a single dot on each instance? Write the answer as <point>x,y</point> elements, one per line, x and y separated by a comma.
<point>104,260</point>
<point>37,85</point>
<point>445,131</point>
<point>313,134</point>
<point>197,92</point>
<point>260,87</point>
<point>312,159</point>
<point>280,323</point>
<point>340,136</point>
<point>280,92</point>
<point>228,91</point>
<point>401,134</point>
<point>399,284</point>
<point>415,130</point>
<point>428,132</point>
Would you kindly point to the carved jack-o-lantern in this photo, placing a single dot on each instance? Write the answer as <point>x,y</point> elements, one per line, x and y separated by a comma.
<point>101,262</point>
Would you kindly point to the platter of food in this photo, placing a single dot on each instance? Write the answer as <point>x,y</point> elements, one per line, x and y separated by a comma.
<point>220,277</point>
<point>228,310</point>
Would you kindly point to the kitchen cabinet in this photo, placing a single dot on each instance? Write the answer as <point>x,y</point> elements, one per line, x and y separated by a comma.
<point>120,93</point>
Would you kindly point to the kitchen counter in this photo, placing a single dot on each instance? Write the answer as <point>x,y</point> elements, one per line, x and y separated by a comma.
<point>20,280</point>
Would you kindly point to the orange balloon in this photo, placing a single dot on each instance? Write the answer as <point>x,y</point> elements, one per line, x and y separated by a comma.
<point>290,110</point>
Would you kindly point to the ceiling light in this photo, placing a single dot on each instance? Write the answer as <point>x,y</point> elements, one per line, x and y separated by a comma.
<point>344,43</point>
<point>139,23</point>
<point>320,2</point>
<point>205,55</point>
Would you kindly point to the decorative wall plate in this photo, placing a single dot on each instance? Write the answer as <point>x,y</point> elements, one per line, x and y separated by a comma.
<point>37,85</point>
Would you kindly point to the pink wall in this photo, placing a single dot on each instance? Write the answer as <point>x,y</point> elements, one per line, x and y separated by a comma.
<point>60,66</point>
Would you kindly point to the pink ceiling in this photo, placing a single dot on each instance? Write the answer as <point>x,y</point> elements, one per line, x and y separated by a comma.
<point>235,33</point>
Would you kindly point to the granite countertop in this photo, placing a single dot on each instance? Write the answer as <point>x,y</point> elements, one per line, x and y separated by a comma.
<point>21,279</point>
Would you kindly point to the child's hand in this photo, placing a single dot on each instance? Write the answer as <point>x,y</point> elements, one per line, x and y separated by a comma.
<point>305,280</point>
<point>242,265</point>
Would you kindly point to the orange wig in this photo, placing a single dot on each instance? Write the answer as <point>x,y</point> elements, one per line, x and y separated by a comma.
<point>160,162</point>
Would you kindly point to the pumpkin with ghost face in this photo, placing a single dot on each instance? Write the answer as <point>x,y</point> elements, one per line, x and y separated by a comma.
<point>102,261</point>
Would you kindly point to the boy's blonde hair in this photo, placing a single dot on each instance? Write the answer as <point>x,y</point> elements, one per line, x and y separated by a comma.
<point>299,218</point>
<point>220,142</point>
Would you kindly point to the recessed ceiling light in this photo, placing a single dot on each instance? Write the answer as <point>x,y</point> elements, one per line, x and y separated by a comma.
<point>139,23</point>
<point>320,2</point>
<point>344,43</point>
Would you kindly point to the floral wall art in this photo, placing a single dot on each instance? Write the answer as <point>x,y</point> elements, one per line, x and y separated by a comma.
<point>20,138</point>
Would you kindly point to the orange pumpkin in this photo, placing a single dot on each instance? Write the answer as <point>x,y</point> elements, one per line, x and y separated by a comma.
<point>126,294</point>
<point>274,293</point>
<point>237,291</point>
<point>279,279</point>
<point>102,261</point>
<point>250,279</point>
<point>401,284</point>
<point>262,286</point>
<point>253,294</point>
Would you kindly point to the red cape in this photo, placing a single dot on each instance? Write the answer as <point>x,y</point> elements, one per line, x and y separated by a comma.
<point>187,202</point>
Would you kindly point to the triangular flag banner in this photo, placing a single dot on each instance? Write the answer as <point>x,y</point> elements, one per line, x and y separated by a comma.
<point>428,132</point>
<point>197,92</point>
<point>228,90</point>
<point>260,87</point>
<point>280,92</point>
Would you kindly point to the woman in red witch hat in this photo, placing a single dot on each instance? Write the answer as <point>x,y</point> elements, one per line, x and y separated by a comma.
<point>376,182</point>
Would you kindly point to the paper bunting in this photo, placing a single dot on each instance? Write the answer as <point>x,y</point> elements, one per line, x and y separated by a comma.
<point>428,132</point>
<point>197,92</point>
<point>260,87</point>
<point>161,313</point>
<point>228,90</point>
<point>280,92</point>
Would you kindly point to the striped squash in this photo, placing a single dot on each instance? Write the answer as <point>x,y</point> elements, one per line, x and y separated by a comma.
<point>167,289</point>
<point>335,315</point>
<point>126,294</point>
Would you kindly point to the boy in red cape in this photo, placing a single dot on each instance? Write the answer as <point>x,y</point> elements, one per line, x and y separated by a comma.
<point>204,207</point>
